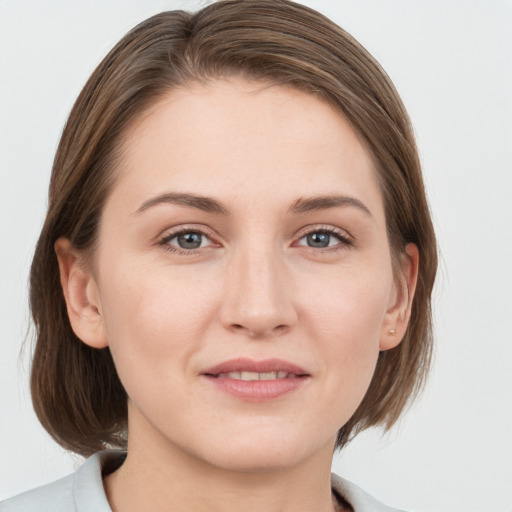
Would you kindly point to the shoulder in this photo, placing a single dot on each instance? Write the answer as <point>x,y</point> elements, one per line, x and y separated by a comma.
<point>360,500</point>
<point>52,497</point>
<point>83,491</point>
<point>80,492</point>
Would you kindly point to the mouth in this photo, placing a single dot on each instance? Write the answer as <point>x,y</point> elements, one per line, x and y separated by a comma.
<point>250,370</point>
<point>257,380</point>
<point>250,376</point>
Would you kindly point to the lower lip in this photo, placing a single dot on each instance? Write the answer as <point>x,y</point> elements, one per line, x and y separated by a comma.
<point>257,390</point>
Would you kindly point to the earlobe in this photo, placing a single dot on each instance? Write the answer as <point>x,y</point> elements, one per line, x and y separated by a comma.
<point>397,317</point>
<point>81,295</point>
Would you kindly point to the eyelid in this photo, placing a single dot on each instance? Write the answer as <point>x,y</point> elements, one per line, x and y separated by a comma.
<point>326,228</point>
<point>345,239</point>
<point>170,233</point>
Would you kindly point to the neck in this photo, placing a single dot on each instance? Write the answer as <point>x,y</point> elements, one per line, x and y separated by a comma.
<point>159,476</point>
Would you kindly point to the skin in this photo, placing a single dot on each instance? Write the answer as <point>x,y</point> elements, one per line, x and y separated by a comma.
<point>255,288</point>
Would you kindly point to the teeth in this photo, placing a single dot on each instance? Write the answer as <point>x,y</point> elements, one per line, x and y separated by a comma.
<point>248,376</point>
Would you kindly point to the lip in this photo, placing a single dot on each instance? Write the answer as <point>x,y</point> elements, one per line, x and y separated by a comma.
<point>256,390</point>
<point>250,365</point>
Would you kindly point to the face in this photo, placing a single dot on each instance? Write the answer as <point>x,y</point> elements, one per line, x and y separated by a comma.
<point>243,277</point>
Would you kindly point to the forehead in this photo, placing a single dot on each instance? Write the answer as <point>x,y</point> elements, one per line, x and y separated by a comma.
<point>234,138</point>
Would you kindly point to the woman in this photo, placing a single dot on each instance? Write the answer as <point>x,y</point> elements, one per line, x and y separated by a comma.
<point>235,271</point>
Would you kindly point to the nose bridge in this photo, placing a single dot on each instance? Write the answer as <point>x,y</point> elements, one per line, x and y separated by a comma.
<point>257,299</point>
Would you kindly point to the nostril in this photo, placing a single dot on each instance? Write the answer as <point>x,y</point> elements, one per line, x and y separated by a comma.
<point>257,332</point>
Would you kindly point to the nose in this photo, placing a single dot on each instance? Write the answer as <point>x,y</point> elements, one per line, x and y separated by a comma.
<point>258,298</point>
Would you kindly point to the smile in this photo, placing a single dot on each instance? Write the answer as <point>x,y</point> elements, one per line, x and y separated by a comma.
<point>249,369</point>
<point>256,381</point>
<point>249,376</point>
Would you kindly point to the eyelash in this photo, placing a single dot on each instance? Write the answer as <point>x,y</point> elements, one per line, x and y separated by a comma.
<point>344,240</point>
<point>164,241</point>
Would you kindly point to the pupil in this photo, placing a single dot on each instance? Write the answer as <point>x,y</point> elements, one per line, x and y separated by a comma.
<point>319,239</point>
<point>189,240</point>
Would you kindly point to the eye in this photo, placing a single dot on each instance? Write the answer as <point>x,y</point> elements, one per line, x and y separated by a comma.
<point>186,240</point>
<point>191,240</point>
<point>324,238</point>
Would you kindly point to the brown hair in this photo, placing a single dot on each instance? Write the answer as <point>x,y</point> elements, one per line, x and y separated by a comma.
<point>76,392</point>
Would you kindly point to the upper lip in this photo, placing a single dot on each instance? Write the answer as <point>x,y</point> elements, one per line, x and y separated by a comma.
<point>249,365</point>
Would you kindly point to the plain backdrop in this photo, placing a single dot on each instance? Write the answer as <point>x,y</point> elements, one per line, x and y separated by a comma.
<point>451,61</point>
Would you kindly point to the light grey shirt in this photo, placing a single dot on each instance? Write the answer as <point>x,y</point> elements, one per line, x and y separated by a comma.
<point>83,491</point>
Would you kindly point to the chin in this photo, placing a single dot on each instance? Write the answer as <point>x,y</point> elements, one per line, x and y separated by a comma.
<point>265,452</point>
<point>261,460</point>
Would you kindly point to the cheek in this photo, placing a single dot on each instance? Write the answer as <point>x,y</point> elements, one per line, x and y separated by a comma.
<point>345,320</point>
<point>153,320</point>
<point>349,304</point>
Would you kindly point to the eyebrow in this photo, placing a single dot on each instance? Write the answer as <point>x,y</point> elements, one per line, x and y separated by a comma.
<point>207,204</point>
<point>319,203</point>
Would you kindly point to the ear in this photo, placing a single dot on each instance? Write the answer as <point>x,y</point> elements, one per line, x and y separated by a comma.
<point>81,295</point>
<point>397,316</point>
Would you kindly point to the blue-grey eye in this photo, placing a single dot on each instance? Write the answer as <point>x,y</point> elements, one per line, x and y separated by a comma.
<point>188,240</point>
<point>320,239</point>
<point>323,239</point>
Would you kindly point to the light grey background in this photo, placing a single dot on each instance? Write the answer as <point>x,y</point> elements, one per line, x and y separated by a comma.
<point>451,60</point>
